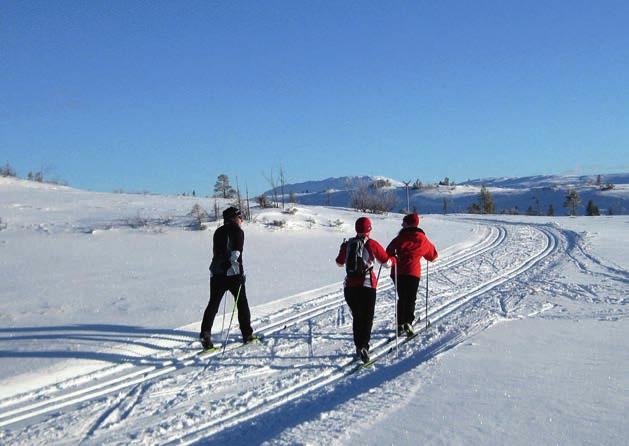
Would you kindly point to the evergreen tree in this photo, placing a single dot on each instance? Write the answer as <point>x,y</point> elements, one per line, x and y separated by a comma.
<point>223,187</point>
<point>572,201</point>
<point>7,171</point>
<point>551,210</point>
<point>592,209</point>
<point>486,201</point>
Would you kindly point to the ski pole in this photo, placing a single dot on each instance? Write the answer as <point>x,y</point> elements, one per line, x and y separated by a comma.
<point>396,309</point>
<point>378,278</point>
<point>224,311</point>
<point>231,320</point>
<point>426,293</point>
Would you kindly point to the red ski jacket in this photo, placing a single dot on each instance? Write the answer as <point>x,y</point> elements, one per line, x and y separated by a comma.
<point>376,252</point>
<point>411,245</point>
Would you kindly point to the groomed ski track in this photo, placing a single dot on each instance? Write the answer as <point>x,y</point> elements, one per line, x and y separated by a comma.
<point>181,399</point>
<point>118,377</point>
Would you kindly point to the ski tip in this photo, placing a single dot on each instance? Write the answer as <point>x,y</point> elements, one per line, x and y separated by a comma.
<point>368,364</point>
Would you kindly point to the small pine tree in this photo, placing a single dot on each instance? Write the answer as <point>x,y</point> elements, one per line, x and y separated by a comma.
<point>530,211</point>
<point>592,209</point>
<point>7,171</point>
<point>572,201</point>
<point>486,201</point>
<point>551,210</point>
<point>223,188</point>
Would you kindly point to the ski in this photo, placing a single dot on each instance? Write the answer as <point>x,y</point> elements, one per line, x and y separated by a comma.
<point>207,351</point>
<point>232,346</point>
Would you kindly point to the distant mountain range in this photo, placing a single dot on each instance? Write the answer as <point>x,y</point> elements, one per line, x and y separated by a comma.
<point>610,193</point>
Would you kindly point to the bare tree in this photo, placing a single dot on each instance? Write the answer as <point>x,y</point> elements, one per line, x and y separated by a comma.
<point>282,183</point>
<point>408,199</point>
<point>248,205</point>
<point>328,196</point>
<point>365,199</point>
<point>273,183</point>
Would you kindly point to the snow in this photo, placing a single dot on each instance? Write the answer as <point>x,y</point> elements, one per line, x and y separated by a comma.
<point>99,318</point>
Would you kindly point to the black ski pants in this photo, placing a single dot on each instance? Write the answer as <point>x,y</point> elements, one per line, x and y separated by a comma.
<point>407,295</point>
<point>218,286</point>
<point>362,302</point>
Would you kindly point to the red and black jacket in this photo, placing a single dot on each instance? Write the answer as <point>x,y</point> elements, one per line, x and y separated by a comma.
<point>376,252</point>
<point>410,246</point>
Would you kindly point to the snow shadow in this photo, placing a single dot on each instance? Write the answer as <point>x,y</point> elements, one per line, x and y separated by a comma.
<point>270,425</point>
<point>102,342</point>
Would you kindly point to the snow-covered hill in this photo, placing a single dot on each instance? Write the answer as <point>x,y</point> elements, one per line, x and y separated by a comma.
<point>527,341</point>
<point>510,194</point>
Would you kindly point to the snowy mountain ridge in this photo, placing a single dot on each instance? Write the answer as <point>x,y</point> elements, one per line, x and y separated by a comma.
<point>511,194</point>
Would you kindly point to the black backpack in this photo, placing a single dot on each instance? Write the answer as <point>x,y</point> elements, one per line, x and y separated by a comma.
<point>357,258</point>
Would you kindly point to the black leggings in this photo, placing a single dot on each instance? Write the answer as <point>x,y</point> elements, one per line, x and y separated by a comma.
<point>218,286</point>
<point>362,302</point>
<point>407,294</point>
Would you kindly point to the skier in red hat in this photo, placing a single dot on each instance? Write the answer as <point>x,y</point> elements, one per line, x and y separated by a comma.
<point>358,255</point>
<point>410,245</point>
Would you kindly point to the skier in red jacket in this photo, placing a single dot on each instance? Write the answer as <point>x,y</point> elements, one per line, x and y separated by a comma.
<point>358,255</point>
<point>409,247</point>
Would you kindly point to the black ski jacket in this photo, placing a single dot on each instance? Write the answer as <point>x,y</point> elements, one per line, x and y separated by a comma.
<point>229,237</point>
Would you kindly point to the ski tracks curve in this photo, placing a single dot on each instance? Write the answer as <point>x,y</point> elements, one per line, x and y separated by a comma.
<point>302,362</point>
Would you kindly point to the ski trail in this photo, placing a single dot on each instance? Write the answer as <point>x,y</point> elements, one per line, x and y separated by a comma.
<point>292,316</point>
<point>302,388</point>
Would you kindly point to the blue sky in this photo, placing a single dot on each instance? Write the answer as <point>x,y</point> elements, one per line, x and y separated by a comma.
<point>165,96</point>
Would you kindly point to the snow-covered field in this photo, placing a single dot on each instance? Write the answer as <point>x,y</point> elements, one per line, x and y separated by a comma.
<point>102,295</point>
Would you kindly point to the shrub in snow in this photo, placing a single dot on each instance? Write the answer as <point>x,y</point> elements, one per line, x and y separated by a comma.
<point>2,225</point>
<point>336,223</point>
<point>263,201</point>
<point>291,211</point>
<point>199,217</point>
<point>278,223</point>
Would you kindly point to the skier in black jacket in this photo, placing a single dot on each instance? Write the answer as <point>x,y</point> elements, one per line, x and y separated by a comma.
<point>227,274</point>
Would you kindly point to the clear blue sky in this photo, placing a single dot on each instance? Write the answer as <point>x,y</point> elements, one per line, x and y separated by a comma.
<point>165,96</point>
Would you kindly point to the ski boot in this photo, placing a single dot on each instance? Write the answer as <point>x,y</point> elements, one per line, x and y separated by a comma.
<point>408,330</point>
<point>251,338</point>
<point>363,354</point>
<point>205,341</point>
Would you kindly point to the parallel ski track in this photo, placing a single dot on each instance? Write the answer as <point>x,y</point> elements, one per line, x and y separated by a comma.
<point>350,366</point>
<point>323,304</point>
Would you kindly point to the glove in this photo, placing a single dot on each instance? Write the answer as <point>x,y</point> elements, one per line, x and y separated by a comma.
<point>234,267</point>
<point>391,262</point>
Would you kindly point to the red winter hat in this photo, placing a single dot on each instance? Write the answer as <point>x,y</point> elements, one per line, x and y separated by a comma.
<point>411,219</point>
<point>363,225</point>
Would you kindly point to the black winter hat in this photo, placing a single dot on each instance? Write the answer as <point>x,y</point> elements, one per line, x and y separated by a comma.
<point>230,213</point>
